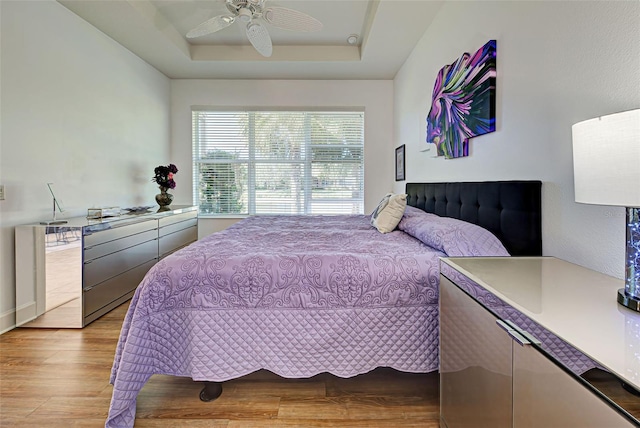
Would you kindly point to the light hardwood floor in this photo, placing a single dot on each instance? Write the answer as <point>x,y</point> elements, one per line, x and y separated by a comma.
<point>60,378</point>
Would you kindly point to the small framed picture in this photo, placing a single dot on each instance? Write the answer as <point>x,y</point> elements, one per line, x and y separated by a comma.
<point>400,170</point>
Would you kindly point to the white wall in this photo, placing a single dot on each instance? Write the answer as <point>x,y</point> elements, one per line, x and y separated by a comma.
<point>375,96</point>
<point>558,63</point>
<point>78,110</point>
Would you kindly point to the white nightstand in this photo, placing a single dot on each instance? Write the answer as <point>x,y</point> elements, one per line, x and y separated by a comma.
<point>504,322</point>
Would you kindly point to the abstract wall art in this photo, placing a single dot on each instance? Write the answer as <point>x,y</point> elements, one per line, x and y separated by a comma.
<point>463,103</point>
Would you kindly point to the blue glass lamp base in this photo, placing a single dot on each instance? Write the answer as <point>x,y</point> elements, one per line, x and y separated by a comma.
<point>629,301</point>
<point>630,295</point>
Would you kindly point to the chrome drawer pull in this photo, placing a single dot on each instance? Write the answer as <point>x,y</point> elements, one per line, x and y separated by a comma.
<point>513,332</point>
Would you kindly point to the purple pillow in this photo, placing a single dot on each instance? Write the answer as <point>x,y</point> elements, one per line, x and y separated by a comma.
<point>455,238</point>
<point>410,211</point>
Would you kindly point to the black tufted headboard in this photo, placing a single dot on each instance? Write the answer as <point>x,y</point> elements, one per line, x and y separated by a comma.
<point>511,210</point>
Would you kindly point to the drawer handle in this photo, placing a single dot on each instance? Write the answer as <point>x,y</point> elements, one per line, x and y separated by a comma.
<point>522,337</point>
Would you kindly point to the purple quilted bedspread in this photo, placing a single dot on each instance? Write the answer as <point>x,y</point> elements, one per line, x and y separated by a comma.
<point>294,295</point>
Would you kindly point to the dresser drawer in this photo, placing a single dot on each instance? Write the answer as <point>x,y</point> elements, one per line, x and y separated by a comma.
<point>106,235</point>
<point>166,221</point>
<point>175,227</point>
<point>96,251</point>
<point>110,257</point>
<point>103,268</point>
<point>112,289</point>
<point>177,240</point>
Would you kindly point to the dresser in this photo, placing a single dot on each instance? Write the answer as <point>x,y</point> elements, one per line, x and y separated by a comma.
<point>68,275</point>
<point>516,334</point>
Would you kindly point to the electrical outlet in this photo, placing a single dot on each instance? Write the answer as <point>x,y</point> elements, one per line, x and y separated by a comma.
<point>1,192</point>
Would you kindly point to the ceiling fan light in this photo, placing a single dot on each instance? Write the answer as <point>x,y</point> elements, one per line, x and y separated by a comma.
<point>245,15</point>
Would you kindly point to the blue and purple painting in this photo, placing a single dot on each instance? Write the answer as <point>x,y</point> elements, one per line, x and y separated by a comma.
<point>463,104</point>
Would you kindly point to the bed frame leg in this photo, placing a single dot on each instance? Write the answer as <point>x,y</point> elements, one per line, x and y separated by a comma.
<point>211,391</point>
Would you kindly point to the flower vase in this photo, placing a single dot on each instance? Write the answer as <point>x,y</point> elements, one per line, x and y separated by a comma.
<point>164,199</point>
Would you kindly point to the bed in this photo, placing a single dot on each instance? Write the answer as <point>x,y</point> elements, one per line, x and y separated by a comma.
<point>300,295</point>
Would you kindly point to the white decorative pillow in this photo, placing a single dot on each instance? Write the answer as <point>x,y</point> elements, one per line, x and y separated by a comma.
<point>389,212</point>
<point>383,203</point>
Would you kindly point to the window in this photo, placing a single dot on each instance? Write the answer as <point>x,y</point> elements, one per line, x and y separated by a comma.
<point>278,162</point>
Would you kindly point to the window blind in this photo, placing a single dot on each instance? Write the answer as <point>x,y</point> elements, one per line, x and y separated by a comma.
<point>278,162</point>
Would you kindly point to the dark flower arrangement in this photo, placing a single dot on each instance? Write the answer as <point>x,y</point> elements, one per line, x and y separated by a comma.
<point>164,176</point>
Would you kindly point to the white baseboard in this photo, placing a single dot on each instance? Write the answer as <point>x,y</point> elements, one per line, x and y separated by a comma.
<point>7,321</point>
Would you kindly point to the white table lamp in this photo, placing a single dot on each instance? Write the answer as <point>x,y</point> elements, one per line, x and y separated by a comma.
<point>606,171</point>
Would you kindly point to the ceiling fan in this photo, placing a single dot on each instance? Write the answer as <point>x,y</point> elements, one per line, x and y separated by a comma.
<point>251,12</point>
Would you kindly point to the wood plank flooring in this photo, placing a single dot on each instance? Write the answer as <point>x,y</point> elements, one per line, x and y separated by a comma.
<point>60,378</point>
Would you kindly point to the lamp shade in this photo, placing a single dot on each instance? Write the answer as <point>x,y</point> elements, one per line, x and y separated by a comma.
<point>606,159</point>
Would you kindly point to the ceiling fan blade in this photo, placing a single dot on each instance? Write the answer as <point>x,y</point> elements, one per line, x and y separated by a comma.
<point>259,38</point>
<point>212,25</point>
<point>289,19</point>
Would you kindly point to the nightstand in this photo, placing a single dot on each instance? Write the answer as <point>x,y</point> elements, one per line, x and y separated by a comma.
<point>515,335</point>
